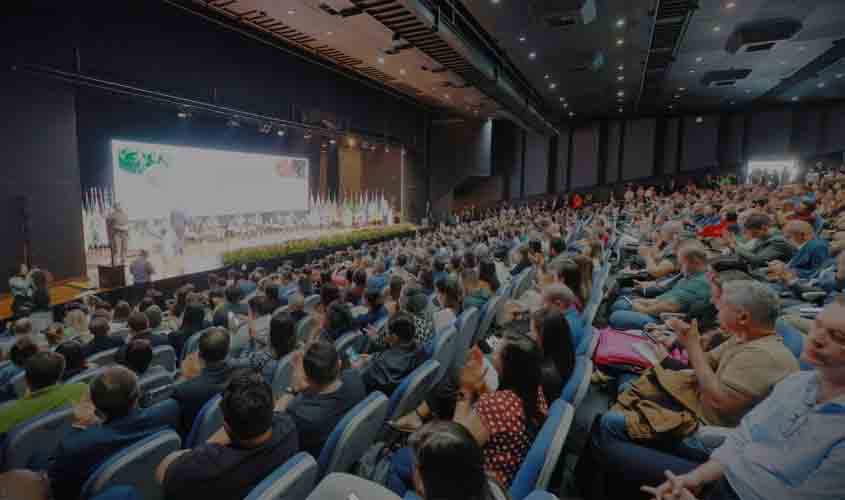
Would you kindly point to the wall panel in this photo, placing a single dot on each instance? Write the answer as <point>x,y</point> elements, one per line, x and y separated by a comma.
<point>562,158</point>
<point>614,143</point>
<point>536,163</point>
<point>670,146</point>
<point>700,142</point>
<point>585,156</point>
<point>639,149</point>
<point>770,133</point>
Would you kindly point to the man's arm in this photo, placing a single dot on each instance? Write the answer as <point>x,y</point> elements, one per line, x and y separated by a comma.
<point>655,307</point>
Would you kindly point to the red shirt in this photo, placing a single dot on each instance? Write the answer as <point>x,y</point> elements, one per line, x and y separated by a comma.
<point>714,231</point>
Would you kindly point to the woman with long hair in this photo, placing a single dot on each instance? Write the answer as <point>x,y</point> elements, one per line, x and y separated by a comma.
<point>488,276</point>
<point>570,275</point>
<point>552,333</point>
<point>193,321</point>
<point>450,298</point>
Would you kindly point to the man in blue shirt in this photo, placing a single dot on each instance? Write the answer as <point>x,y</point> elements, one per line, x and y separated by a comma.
<point>811,255</point>
<point>114,395</point>
<point>791,445</point>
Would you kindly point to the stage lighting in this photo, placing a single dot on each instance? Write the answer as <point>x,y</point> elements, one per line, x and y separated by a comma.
<point>233,123</point>
<point>281,132</point>
<point>265,128</point>
<point>184,113</point>
<point>351,142</point>
<point>307,136</point>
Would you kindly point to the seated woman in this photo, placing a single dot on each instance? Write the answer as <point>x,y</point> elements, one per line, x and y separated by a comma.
<point>449,296</point>
<point>551,331</point>
<point>504,422</point>
<point>488,276</point>
<point>569,273</point>
<point>193,321</point>
<point>282,342</point>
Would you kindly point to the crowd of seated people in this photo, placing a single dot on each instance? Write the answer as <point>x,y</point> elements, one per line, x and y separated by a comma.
<point>738,286</point>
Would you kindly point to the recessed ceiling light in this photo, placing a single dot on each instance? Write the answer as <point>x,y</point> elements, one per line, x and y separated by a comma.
<point>621,109</point>
<point>329,33</point>
<point>546,76</point>
<point>677,96</point>
<point>621,67</point>
<point>730,5</point>
<point>699,59</point>
<point>820,85</point>
<point>692,71</point>
<point>552,85</point>
<point>402,71</point>
<point>670,106</point>
<point>572,113</point>
<point>291,12</point>
<point>620,22</point>
<point>620,42</point>
<point>380,60</point>
<point>522,39</point>
<point>802,48</point>
<point>839,75</point>
<point>565,105</point>
<point>561,99</point>
<point>621,93</point>
<point>699,119</point>
<point>717,28</point>
<point>620,78</point>
<point>681,89</point>
<point>532,55</point>
<point>795,98</point>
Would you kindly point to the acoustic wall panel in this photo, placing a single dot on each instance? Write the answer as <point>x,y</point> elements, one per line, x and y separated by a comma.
<point>769,134</point>
<point>807,132</point>
<point>834,133</point>
<point>536,163</point>
<point>700,142</point>
<point>562,159</point>
<point>614,142</point>
<point>732,149</point>
<point>585,156</point>
<point>638,161</point>
<point>670,146</point>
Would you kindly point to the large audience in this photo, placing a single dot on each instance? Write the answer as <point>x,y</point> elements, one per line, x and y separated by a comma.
<point>733,294</point>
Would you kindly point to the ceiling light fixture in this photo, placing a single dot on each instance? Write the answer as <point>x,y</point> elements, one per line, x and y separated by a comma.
<point>291,12</point>
<point>820,85</point>
<point>733,102</point>
<point>692,71</point>
<point>699,59</point>
<point>677,96</point>
<point>565,105</point>
<point>620,22</point>
<point>546,76</point>
<point>681,89</point>
<point>717,28</point>
<point>380,60</point>
<point>620,78</point>
<point>621,93</point>
<point>620,42</point>
<point>572,113</point>
<point>332,142</point>
<point>621,67</point>
<point>621,109</point>
<point>561,99</point>
<point>494,2</point>
<point>730,5</point>
<point>699,119</point>
<point>281,132</point>
<point>522,39</point>
<point>532,55</point>
<point>669,107</point>
<point>794,98</point>
<point>552,86</point>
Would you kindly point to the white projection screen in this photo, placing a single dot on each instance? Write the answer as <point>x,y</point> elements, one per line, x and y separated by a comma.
<point>151,180</point>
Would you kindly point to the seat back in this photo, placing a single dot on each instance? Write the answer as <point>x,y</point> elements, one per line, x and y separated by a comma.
<point>584,383</point>
<point>488,316</point>
<point>467,324</point>
<point>208,421</point>
<point>311,303</point>
<point>282,375</point>
<point>573,385</point>
<point>536,470</point>
<point>87,376</point>
<point>346,341</point>
<point>413,389</point>
<point>155,381</point>
<point>34,441</point>
<point>19,384</point>
<point>353,434</point>
<point>103,358</point>
<point>165,357</point>
<point>792,338</point>
<point>444,348</point>
<point>305,328</point>
<point>293,480</point>
<point>281,310</point>
<point>192,344</point>
<point>134,466</point>
<point>339,486</point>
<point>121,334</point>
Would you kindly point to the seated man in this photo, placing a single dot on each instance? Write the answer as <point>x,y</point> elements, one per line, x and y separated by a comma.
<point>791,445</point>
<point>474,295</point>
<point>766,247</point>
<point>811,255</point>
<point>393,361</point>
<point>319,395</point>
<point>19,354</point>
<point>253,442</point>
<point>114,396</point>
<point>102,341</point>
<point>139,326</point>
<point>45,391</point>
<point>725,383</point>
<point>296,306</point>
<point>688,292</point>
<point>661,260</point>
<point>206,372</point>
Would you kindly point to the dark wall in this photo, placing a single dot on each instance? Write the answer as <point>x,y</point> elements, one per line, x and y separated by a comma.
<point>585,156</point>
<point>480,192</point>
<point>536,163</point>
<point>39,185</point>
<point>458,151</point>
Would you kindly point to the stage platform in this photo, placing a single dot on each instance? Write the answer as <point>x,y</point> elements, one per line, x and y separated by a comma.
<point>61,292</point>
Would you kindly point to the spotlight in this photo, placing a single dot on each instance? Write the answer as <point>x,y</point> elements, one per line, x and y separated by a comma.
<point>699,119</point>
<point>307,136</point>
<point>184,113</point>
<point>233,123</point>
<point>265,128</point>
<point>532,55</point>
<point>332,142</point>
<point>281,132</point>
<point>620,42</point>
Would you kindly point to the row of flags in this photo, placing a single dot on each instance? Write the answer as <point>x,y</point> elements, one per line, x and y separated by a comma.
<point>353,208</point>
<point>97,204</point>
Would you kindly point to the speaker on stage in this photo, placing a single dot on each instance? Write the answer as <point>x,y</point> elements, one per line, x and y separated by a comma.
<point>112,276</point>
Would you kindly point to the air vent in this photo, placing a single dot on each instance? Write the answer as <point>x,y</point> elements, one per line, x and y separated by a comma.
<point>724,78</point>
<point>565,13</point>
<point>759,47</point>
<point>768,31</point>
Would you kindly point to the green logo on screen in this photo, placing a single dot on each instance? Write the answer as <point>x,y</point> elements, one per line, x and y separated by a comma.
<point>139,162</point>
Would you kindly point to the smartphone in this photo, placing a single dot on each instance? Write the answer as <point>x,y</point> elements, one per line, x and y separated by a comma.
<point>352,354</point>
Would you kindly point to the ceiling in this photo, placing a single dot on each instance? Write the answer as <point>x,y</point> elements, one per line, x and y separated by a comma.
<point>359,43</point>
<point>622,32</point>
<point>635,57</point>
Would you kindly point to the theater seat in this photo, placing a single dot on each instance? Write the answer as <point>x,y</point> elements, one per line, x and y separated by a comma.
<point>208,421</point>
<point>87,376</point>
<point>413,389</point>
<point>311,303</point>
<point>155,381</point>
<point>536,470</point>
<point>134,466</point>
<point>165,357</point>
<point>293,480</point>
<point>443,350</point>
<point>345,341</point>
<point>541,495</point>
<point>31,443</point>
<point>353,434</point>
<point>282,376</point>
<point>488,316</point>
<point>103,358</point>
<point>339,486</point>
<point>305,328</point>
<point>466,323</point>
<point>19,384</point>
<point>192,344</point>
<point>579,383</point>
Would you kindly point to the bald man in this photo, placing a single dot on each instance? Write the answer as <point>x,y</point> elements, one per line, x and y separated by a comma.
<point>811,253</point>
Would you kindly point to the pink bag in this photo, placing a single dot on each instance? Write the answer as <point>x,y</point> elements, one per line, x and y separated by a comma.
<point>616,350</point>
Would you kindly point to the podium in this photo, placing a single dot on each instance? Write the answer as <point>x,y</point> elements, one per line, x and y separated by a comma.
<point>112,276</point>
